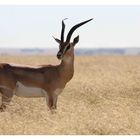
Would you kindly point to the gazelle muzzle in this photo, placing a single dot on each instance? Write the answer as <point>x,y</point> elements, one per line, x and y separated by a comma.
<point>59,55</point>
<point>61,52</point>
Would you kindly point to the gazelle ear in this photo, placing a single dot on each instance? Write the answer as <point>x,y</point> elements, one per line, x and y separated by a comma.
<point>57,40</point>
<point>76,40</point>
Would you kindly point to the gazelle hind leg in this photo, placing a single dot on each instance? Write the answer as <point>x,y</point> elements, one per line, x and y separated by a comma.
<point>6,98</point>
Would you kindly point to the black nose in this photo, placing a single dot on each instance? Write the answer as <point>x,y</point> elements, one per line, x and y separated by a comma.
<point>59,55</point>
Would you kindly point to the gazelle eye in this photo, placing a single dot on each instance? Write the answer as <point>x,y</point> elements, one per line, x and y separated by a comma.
<point>68,47</point>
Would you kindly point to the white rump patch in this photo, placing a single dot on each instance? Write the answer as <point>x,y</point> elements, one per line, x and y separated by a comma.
<point>25,91</point>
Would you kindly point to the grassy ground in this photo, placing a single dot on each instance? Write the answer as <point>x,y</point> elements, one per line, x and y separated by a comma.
<point>102,98</point>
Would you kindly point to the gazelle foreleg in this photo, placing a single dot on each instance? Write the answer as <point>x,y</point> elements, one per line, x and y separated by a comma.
<point>7,95</point>
<point>51,101</point>
<point>55,101</point>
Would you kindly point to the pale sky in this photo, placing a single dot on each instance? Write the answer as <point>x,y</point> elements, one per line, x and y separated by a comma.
<point>33,26</point>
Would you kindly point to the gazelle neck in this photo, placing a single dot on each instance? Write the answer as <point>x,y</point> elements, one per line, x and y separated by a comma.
<point>67,66</point>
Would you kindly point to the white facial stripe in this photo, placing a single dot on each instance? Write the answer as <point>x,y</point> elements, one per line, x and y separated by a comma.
<point>65,48</point>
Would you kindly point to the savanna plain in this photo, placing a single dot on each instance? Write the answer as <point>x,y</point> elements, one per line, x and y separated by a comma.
<point>103,98</point>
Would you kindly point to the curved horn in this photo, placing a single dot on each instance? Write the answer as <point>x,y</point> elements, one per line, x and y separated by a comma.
<point>74,28</point>
<point>63,30</point>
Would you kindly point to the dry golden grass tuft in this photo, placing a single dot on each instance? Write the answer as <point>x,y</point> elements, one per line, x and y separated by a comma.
<point>102,98</point>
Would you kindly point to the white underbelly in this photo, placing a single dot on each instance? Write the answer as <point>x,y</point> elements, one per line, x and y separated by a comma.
<point>25,91</point>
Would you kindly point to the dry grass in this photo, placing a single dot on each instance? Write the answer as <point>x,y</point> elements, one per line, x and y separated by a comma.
<point>102,98</point>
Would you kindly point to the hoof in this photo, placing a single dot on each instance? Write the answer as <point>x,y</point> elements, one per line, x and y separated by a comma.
<point>2,108</point>
<point>52,110</point>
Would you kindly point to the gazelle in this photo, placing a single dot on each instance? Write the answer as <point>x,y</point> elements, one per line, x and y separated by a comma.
<point>41,81</point>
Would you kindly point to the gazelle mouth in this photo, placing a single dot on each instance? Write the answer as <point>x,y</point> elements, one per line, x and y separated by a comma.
<point>60,58</point>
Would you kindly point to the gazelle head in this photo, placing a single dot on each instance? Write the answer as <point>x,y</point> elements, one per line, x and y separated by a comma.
<point>66,47</point>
